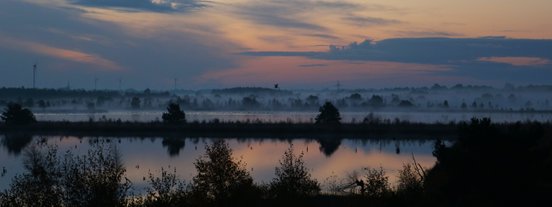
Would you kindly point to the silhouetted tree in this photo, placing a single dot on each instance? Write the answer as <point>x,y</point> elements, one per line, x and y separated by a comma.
<point>250,102</point>
<point>411,180</point>
<point>376,101</point>
<point>494,164</point>
<point>95,179</point>
<point>406,103</point>
<point>221,181</point>
<point>464,105</point>
<point>174,114</point>
<point>312,100</point>
<point>355,97</point>
<point>445,104</point>
<point>135,102</point>
<point>376,183</point>
<point>39,184</point>
<point>15,114</point>
<point>165,191</point>
<point>293,179</point>
<point>329,114</point>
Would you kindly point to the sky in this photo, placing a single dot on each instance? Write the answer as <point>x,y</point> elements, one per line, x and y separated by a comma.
<point>313,44</point>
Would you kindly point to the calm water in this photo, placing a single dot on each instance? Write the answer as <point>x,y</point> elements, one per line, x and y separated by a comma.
<point>277,116</point>
<point>141,156</point>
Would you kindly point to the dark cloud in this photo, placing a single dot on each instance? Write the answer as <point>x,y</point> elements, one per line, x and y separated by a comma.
<point>282,21</point>
<point>146,5</point>
<point>426,33</point>
<point>277,15</point>
<point>323,36</point>
<point>361,21</point>
<point>290,13</point>
<point>485,58</point>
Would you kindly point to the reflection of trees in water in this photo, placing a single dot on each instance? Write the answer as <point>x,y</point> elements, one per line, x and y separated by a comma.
<point>329,145</point>
<point>174,145</point>
<point>16,142</point>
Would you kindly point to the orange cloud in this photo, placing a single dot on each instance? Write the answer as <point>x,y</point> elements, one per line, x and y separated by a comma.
<point>517,61</point>
<point>61,53</point>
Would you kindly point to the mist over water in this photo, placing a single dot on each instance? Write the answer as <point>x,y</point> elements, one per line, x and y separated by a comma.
<point>296,116</point>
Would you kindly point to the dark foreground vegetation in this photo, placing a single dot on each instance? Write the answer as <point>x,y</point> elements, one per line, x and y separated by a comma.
<point>488,165</point>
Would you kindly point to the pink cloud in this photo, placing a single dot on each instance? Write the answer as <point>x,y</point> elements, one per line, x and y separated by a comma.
<point>61,53</point>
<point>517,61</point>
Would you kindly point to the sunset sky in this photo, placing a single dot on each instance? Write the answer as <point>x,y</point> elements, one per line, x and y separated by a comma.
<point>296,43</point>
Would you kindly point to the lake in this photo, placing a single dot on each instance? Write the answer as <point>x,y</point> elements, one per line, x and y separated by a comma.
<point>324,158</point>
<point>298,116</point>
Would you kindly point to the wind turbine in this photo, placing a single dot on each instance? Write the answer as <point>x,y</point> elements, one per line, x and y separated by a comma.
<point>175,85</point>
<point>96,83</point>
<point>34,74</point>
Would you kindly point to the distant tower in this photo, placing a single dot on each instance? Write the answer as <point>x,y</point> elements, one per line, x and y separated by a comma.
<point>96,83</point>
<point>338,86</point>
<point>34,75</point>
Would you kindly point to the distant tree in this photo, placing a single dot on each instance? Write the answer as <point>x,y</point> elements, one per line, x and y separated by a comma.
<point>355,97</point>
<point>312,100</point>
<point>406,103</point>
<point>174,114</point>
<point>464,105</point>
<point>221,181</point>
<point>15,114</point>
<point>329,114</point>
<point>376,101</point>
<point>293,179</point>
<point>250,102</point>
<point>474,105</point>
<point>29,102</point>
<point>42,104</point>
<point>135,102</point>
<point>445,104</point>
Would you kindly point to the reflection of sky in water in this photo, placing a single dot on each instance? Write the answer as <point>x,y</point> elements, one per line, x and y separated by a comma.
<point>276,116</point>
<point>141,156</point>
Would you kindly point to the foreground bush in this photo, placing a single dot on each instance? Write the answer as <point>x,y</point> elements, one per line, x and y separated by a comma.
<point>95,179</point>
<point>221,181</point>
<point>293,180</point>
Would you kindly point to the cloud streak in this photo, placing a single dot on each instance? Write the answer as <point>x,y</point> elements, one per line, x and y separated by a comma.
<point>60,53</point>
<point>143,5</point>
<point>362,21</point>
<point>518,61</point>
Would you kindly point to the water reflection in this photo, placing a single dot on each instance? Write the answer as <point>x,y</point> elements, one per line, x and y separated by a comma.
<point>329,145</point>
<point>324,157</point>
<point>174,145</point>
<point>14,143</point>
